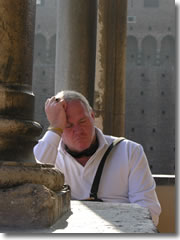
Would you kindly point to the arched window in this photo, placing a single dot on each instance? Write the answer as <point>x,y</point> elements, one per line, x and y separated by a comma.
<point>52,50</point>
<point>149,46</point>
<point>167,53</point>
<point>132,50</point>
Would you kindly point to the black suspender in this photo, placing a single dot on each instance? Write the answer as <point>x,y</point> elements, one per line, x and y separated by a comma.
<point>95,185</point>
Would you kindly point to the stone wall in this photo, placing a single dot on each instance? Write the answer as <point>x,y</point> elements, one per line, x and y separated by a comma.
<point>150,81</point>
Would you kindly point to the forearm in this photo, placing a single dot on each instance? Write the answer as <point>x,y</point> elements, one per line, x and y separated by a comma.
<point>46,149</point>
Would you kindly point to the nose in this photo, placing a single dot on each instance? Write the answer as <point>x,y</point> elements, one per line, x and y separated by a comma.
<point>77,129</point>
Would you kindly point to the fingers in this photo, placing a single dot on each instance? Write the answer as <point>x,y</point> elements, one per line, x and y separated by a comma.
<point>53,99</point>
<point>57,99</point>
<point>50,100</point>
<point>55,110</point>
<point>64,104</point>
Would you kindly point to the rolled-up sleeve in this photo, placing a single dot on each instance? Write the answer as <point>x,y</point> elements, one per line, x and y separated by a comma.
<point>142,185</point>
<point>46,149</point>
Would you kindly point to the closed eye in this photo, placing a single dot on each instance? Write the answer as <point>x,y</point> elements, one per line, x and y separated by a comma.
<point>69,125</point>
<point>83,120</point>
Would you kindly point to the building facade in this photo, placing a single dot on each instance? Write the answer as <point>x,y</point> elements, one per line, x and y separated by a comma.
<point>150,80</point>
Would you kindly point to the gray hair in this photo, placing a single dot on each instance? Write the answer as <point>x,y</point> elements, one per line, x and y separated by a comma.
<point>70,95</point>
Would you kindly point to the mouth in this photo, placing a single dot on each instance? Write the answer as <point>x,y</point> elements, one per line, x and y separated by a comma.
<point>81,143</point>
<point>80,137</point>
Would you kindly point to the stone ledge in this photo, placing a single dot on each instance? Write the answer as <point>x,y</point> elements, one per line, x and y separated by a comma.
<point>31,206</point>
<point>164,179</point>
<point>101,218</point>
<point>13,173</point>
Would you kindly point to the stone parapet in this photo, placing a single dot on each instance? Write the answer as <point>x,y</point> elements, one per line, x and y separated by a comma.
<point>88,217</point>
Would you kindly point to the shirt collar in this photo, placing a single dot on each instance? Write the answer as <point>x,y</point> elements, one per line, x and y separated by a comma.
<point>101,138</point>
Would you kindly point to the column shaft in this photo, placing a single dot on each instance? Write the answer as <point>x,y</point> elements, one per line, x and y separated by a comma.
<point>75,51</point>
<point>17,129</point>
<point>109,100</point>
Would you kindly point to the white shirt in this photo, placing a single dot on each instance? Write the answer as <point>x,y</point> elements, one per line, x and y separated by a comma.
<point>126,176</point>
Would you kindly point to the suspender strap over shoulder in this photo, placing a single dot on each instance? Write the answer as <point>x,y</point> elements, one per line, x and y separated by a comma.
<point>95,185</point>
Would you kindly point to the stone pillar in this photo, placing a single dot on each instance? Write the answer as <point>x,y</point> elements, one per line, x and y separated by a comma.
<point>75,46</point>
<point>29,193</point>
<point>90,56</point>
<point>109,98</point>
<point>17,128</point>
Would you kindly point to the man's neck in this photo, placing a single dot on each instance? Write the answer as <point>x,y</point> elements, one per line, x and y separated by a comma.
<point>82,160</point>
<point>87,153</point>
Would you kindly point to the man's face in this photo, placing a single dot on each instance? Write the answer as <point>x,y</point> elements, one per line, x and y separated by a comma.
<point>79,132</point>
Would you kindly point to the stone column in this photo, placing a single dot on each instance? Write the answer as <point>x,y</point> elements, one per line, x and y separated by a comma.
<point>75,46</point>
<point>31,195</point>
<point>17,128</point>
<point>109,98</point>
<point>90,56</point>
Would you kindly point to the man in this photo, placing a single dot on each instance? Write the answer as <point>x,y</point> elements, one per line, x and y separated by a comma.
<point>75,146</point>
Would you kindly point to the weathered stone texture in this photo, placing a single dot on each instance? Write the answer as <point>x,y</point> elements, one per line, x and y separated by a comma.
<point>119,218</point>
<point>105,217</point>
<point>26,196</point>
<point>31,206</point>
<point>12,174</point>
<point>17,128</point>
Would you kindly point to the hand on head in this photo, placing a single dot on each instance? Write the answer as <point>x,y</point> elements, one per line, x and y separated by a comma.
<point>55,110</point>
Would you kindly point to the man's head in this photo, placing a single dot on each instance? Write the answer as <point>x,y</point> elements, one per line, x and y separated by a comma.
<point>69,95</point>
<point>79,132</point>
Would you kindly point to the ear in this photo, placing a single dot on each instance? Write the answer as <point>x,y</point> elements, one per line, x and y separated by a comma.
<point>93,115</point>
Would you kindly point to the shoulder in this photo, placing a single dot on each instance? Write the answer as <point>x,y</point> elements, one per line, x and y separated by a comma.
<point>126,141</point>
<point>126,146</point>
